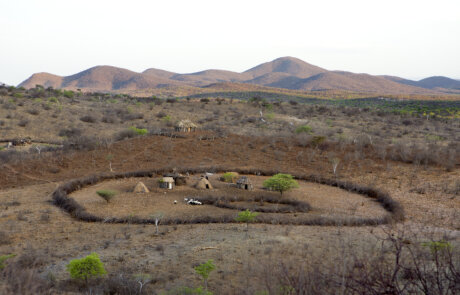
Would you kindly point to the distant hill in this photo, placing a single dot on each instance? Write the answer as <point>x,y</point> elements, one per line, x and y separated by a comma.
<point>289,65</point>
<point>285,72</point>
<point>439,82</point>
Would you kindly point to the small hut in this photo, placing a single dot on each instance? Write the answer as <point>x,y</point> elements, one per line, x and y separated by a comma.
<point>140,188</point>
<point>203,183</point>
<point>185,126</point>
<point>179,179</point>
<point>167,182</point>
<point>244,183</point>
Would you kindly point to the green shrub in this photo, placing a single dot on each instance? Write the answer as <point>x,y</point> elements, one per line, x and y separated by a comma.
<point>305,129</point>
<point>166,118</point>
<point>3,258</point>
<point>139,131</point>
<point>436,246</point>
<point>229,177</point>
<point>281,183</point>
<point>107,195</point>
<point>68,93</point>
<point>53,99</point>
<point>317,140</point>
<point>18,95</point>
<point>86,268</point>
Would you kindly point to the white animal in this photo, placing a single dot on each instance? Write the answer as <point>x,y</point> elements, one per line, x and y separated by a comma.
<point>9,145</point>
<point>194,202</point>
<point>175,202</point>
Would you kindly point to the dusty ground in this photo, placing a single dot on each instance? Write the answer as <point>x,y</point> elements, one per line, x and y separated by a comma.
<point>31,224</point>
<point>325,200</point>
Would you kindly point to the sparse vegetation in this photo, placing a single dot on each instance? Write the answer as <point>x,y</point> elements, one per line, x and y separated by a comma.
<point>357,147</point>
<point>107,195</point>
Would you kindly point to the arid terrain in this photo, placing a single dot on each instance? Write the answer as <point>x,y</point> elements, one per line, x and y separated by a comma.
<point>410,156</point>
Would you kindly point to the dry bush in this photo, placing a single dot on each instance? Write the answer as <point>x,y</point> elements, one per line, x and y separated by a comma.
<point>125,134</point>
<point>109,119</point>
<point>4,238</point>
<point>80,143</point>
<point>17,280</point>
<point>33,112</point>
<point>23,123</point>
<point>70,132</point>
<point>394,264</point>
<point>122,284</point>
<point>88,119</point>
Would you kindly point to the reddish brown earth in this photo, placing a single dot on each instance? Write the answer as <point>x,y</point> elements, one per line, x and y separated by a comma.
<point>33,224</point>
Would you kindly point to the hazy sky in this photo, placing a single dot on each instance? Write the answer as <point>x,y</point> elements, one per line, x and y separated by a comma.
<point>412,39</point>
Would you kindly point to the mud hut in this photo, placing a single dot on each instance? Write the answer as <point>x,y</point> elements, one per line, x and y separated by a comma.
<point>185,126</point>
<point>203,183</point>
<point>167,182</point>
<point>244,183</point>
<point>140,188</point>
<point>179,179</point>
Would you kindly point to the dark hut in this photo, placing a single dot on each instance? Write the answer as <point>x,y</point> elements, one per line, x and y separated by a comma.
<point>244,183</point>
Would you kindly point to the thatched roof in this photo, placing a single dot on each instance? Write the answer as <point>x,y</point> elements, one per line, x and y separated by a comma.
<point>185,124</point>
<point>243,180</point>
<point>140,188</point>
<point>201,184</point>
<point>168,179</point>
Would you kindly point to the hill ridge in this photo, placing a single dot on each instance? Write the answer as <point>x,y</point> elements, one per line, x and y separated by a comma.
<point>284,72</point>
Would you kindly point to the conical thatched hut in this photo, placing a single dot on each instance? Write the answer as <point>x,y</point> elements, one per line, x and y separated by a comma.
<point>203,183</point>
<point>244,183</point>
<point>167,182</point>
<point>185,126</point>
<point>140,188</point>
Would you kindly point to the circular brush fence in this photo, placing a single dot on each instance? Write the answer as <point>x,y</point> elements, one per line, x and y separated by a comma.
<point>284,205</point>
<point>394,209</point>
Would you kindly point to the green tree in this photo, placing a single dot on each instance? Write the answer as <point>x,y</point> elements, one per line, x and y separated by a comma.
<point>246,216</point>
<point>86,268</point>
<point>281,182</point>
<point>204,270</point>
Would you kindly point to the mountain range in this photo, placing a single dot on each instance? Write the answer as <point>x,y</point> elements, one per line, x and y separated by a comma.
<point>285,72</point>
